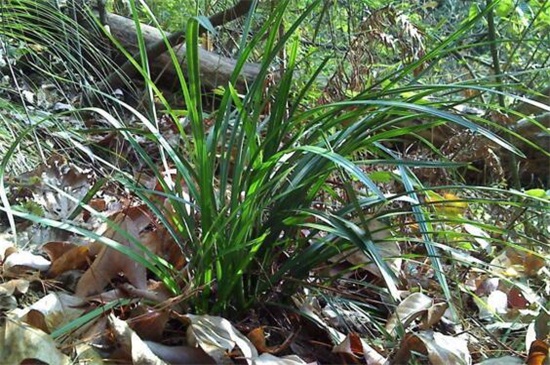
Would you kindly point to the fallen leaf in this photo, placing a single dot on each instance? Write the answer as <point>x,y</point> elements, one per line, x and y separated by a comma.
<point>505,360</point>
<point>180,354</point>
<point>76,258</point>
<point>6,242</point>
<point>268,359</point>
<point>24,260</point>
<point>51,312</point>
<point>351,349</point>
<point>217,337</point>
<point>110,263</point>
<point>129,341</point>
<point>55,249</point>
<point>86,354</point>
<point>410,308</point>
<point>15,286</point>
<point>494,304</point>
<point>516,299</point>
<point>440,349</point>
<point>538,353</point>
<point>433,315</point>
<point>149,323</point>
<point>257,337</point>
<point>444,350</point>
<point>20,341</point>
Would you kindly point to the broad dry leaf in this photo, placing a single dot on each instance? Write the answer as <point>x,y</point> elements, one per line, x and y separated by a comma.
<point>55,249</point>
<point>495,303</point>
<point>309,308</point>
<point>20,341</point>
<point>516,299</point>
<point>433,315</point>
<point>149,323</point>
<point>444,350</point>
<point>538,329</point>
<point>350,349</point>
<point>6,242</point>
<point>23,260</point>
<point>354,346</point>
<point>70,179</point>
<point>257,337</point>
<point>75,258</point>
<point>505,360</point>
<point>37,320</point>
<point>110,263</point>
<point>538,353</point>
<point>161,243</point>
<point>180,354</point>
<point>482,238</point>
<point>86,354</point>
<point>15,286</point>
<point>268,359</point>
<point>410,308</point>
<point>52,311</point>
<point>410,343</point>
<point>130,342</point>
<point>217,337</point>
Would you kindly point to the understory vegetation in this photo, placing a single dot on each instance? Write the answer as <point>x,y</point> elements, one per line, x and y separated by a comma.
<point>369,183</point>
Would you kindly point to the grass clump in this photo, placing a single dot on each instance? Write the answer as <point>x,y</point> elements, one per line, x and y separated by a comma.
<point>273,199</point>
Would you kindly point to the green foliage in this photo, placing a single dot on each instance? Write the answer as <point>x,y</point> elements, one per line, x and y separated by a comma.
<point>267,187</point>
<point>243,190</point>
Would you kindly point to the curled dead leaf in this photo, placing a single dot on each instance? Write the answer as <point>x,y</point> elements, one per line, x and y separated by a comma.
<point>76,258</point>
<point>257,337</point>
<point>538,353</point>
<point>111,263</point>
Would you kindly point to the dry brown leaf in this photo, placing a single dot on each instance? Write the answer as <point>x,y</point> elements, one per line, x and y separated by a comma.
<point>351,349</point>
<point>180,354</point>
<point>37,320</point>
<point>433,315</point>
<point>110,263</point>
<point>538,353</point>
<point>130,343</point>
<point>444,350</point>
<point>257,337</point>
<point>162,243</point>
<point>386,246</point>
<point>20,341</point>
<point>76,258</point>
<point>408,344</point>
<point>140,215</point>
<point>56,249</point>
<point>15,286</point>
<point>410,308</point>
<point>50,312</point>
<point>98,204</point>
<point>149,323</point>
<point>356,350</point>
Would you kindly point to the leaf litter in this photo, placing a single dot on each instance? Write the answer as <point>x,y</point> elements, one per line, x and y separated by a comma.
<point>147,323</point>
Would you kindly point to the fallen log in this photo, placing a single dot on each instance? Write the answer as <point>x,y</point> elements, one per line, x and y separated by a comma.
<point>534,170</point>
<point>215,70</point>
